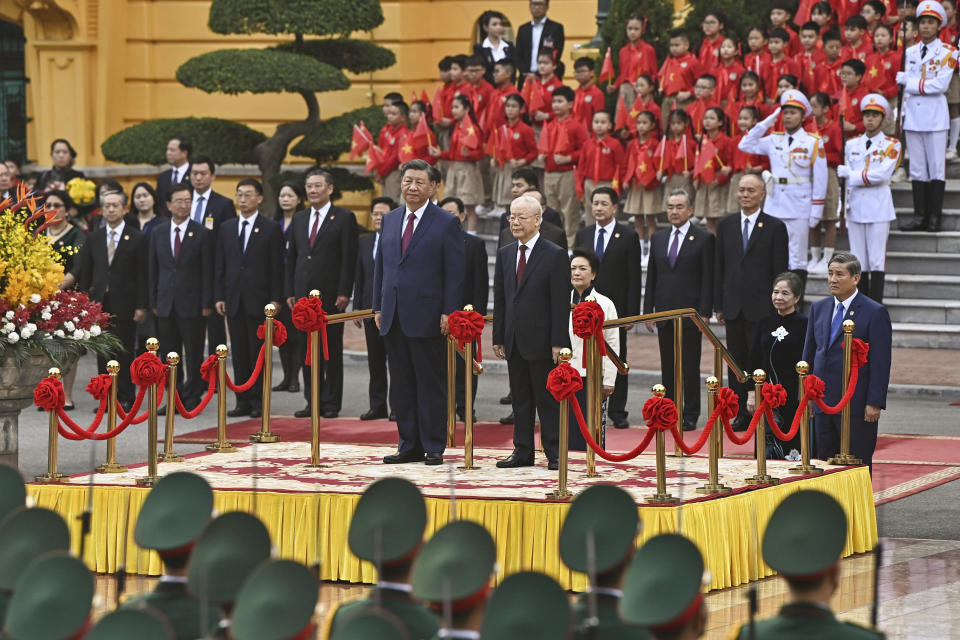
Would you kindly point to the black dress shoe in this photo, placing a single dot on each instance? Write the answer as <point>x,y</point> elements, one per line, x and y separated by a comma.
<point>507,419</point>
<point>507,399</point>
<point>402,458</point>
<point>689,425</point>
<point>294,387</point>
<point>66,407</point>
<point>283,386</point>
<point>513,461</point>
<point>553,465</point>
<point>256,413</point>
<point>328,413</point>
<point>392,417</point>
<point>433,459</point>
<point>374,414</point>
<point>302,413</point>
<point>621,423</point>
<point>238,412</point>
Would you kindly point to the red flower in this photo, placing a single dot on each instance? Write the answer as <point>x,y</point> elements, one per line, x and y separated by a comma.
<point>729,403</point>
<point>858,356</point>
<point>48,395</point>
<point>813,387</point>
<point>773,394</point>
<point>99,386</point>
<point>308,314</point>
<point>209,367</point>
<point>563,382</point>
<point>588,320</point>
<point>660,413</point>
<point>279,332</point>
<point>147,370</point>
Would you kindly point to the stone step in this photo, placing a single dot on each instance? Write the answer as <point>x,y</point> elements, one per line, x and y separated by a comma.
<point>899,285</point>
<point>903,194</point>
<point>916,310</point>
<point>926,336</point>
<point>921,263</point>
<point>920,241</point>
<point>949,221</point>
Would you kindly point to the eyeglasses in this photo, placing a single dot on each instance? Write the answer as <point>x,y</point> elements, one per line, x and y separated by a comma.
<point>513,218</point>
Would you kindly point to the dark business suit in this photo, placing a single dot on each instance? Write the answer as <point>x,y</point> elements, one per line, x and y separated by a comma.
<point>180,289</point>
<point>328,266</point>
<point>548,231</point>
<point>529,319</point>
<point>687,284</point>
<point>510,53</point>
<point>376,349</point>
<point>620,279</point>
<point>121,287</point>
<point>411,290</point>
<point>216,210</point>
<point>164,180</point>
<point>826,362</point>
<point>476,291</point>
<point>247,280</point>
<point>551,37</point>
<point>549,215</point>
<point>743,281</point>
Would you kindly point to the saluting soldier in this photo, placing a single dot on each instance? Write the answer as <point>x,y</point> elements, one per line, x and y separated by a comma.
<point>387,527</point>
<point>527,606</point>
<point>276,587</point>
<point>803,541</point>
<point>798,162</point>
<point>603,523</point>
<point>52,599</point>
<point>125,624</point>
<point>173,516</point>
<point>869,164</point>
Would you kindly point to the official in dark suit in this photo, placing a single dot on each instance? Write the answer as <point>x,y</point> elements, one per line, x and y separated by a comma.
<point>322,255</point>
<point>178,157</point>
<point>823,350</point>
<point>417,284</point>
<point>369,244</point>
<point>751,250</point>
<point>535,36</point>
<point>680,275</point>
<point>476,291</point>
<point>531,309</point>
<point>248,275</point>
<point>180,270</point>
<point>210,209</point>
<point>619,278</point>
<point>112,269</point>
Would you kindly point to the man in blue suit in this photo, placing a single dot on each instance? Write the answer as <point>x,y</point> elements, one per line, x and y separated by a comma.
<point>824,352</point>
<point>417,284</point>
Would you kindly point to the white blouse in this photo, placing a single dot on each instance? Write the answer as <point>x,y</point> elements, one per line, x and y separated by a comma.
<point>612,337</point>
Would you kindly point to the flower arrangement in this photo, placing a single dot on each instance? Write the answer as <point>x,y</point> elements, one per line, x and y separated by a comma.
<point>81,191</point>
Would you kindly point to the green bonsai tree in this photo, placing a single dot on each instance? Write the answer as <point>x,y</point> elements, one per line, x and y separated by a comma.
<point>301,65</point>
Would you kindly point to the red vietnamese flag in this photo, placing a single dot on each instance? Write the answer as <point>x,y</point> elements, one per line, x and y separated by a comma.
<point>405,150</point>
<point>681,153</point>
<point>705,167</point>
<point>437,105</point>
<point>422,136</point>
<point>413,97</point>
<point>561,143</point>
<point>545,143</point>
<point>844,101</point>
<point>623,118</point>
<point>505,142</point>
<point>423,96</point>
<point>533,97</point>
<point>374,159</point>
<point>469,133</point>
<point>607,74</point>
<point>360,141</point>
<point>492,146</point>
<point>645,173</point>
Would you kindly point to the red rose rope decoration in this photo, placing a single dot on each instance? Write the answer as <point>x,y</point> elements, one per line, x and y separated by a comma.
<point>99,386</point>
<point>147,369</point>
<point>564,382</point>
<point>467,326</point>
<point>208,370</point>
<point>587,320</point>
<point>279,332</point>
<point>813,387</point>
<point>48,394</point>
<point>308,315</point>
<point>660,413</point>
<point>859,353</point>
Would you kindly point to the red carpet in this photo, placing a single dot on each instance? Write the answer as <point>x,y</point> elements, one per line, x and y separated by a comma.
<point>904,464</point>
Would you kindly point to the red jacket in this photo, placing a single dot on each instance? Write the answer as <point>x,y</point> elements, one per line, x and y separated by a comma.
<point>709,55</point>
<point>518,141</point>
<point>636,60</point>
<point>829,133</point>
<point>640,164</point>
<point>389,140</point>
<point>675,156</point>
<point>741,158</point>
<point>778,68</point>
<point>881,74</point>
<point>601,159</point>
<point>496,116</point>
<point>679,74</point>
<point>852,113</point>
<point>728,81</point>
<point>861,52</point>
<point>760,65</point>
<point>812,71</point>
<point>565,137</point>
<point>587,102</point>
<point>546,90</point>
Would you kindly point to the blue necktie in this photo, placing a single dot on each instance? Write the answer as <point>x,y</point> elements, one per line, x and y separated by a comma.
<point>674,248</point>
<point>746,234</point>
<point>599,248</point>
<point>198,211</point>
<point>837,323</point>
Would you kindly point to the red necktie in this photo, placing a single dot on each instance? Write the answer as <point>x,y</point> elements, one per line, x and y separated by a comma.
<point>407,233</point>
<point>316,226</point>
<point>176,243</point>
<point>522,264</point>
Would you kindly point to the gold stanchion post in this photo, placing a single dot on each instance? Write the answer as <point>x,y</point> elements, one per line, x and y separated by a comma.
<point>561,492</point>
<point>760,437</point>
<point>805,468</point>
<point>718,374</point>
<point>264,435</point>
<point>714,486</point>
<point>468,407</point>
<point>661,496</point>
<point>52,475</point>
<point>315,394</point>
<point>222,445</point>
<point>594,406</point>
<point>451,392</point>
<point>151,478</point>
<point>844,458</point>
<point>678,379</point>
<point>111,466</point>
<point>173,359</point>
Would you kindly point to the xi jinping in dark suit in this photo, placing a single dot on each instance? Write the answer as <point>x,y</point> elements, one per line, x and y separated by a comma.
<point>248,275</point>
<point>322,255</point>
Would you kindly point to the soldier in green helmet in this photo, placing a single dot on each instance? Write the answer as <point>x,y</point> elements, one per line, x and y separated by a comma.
<point>51,600</point>
<point>452,573</point>
<point>276,602</point>
<point>171,519</point>
<point>229,549</point>
<point>130,624</point>
<point>13,493</point>
<point>387,529</point>
<point>26,534</point>
<point>601,528</point>
<point>527,606</point>
<point>663,589</point>
<point>371,624</point>
<point>803,542</point>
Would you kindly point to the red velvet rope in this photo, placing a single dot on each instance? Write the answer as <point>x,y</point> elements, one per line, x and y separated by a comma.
<point>99,386</point>
<point>726,407</point>
<point>208,370</point>
<point>136,406</point>
<point>587,320</point>
<point>467,326</point>
<point>126,420</point>
<point>308,315</point>
<point>147,369</point>
<point>240,388</point>
<point>279,332</point>
<point>189,415</point>
<point>48,394</point>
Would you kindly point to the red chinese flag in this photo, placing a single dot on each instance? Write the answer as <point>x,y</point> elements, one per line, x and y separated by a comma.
<point>405,149</point>
<point>492,147</point>
<point>422,137</point>
<point>623,117</point>
<point>423,96</point>
<point>358,143</point>
<point>437,104</point>
<point>505,142</point>
<point>469,133</point>
<point>545,143</point>
<point>645,172</point>
<point>705,167</point>
<point>607,74</point>
<point>374,159</point>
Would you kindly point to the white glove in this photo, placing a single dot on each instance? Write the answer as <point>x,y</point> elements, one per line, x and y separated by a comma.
<point>901,78</point>
<point>814,223</point>
<point>843,171</point>
<point>766,175</point>
<point>771,119</point>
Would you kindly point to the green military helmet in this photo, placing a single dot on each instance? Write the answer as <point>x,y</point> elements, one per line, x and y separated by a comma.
<point>611,514</point>
<point>805,534</point>
<point>174,513</point>
<point>455,563</point>
<point>51,600</point>
<point>228,551</point>
<point>13,493</point>
<point>27,533</point>
<point>125,624</point>
<point>371,624</point>
<point>663,586</point>
<point>527,606</point>
<point>395,508</point>
<point>275,603</point>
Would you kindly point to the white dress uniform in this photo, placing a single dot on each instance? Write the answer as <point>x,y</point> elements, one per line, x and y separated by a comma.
<point>926,118</point>
<point>872,162</point>
<point>798,162</point>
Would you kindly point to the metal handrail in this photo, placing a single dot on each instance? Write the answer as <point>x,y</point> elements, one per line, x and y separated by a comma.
<point>705,329</point>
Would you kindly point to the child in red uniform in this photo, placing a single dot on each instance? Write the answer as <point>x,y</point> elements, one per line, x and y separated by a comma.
<point>678,73</point>
<point>948,34</point>
<point>780,64</point>
<point>588,99</point>
<point>829,131</point>
<point>441,110</point>
<point>824,15</point>
<point>743,162</point>
<point>419,148</point>
<point>713,37</point>
<point>781,12</point>
<point>464,179</point>
<point>646,101</point>
<point>728,73</point>
<point>636,57</point>
<point>811,60</point>
<point>882,68</point>
<point>874,12</point>
<point>600,163</point>
<point>832,45</point>
<point>559,145</point>
<point>852,91</point>
<point>859,44</point>
<point>644,199</point>
<point>545,83</point>
<point>757,59</point>
<point>703,100</point>
<point>389,140</point>
<point>516,147</point>
<point>676,153</point>
<point>751,95</point>
<point>712,193</point>
<point>504,72</point>
<point>482,90</point>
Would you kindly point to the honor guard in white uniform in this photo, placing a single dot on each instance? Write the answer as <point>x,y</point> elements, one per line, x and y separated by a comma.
<point>868,165</point>
<point>930,64</point>
<point>798,164</point>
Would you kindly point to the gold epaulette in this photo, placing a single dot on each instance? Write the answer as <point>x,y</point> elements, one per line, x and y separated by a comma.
<point>892,139</point>
<point>779,133</point>
<point>814,134</point>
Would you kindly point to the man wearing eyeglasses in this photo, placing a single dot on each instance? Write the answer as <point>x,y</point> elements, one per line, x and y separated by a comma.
<point>534,36</point>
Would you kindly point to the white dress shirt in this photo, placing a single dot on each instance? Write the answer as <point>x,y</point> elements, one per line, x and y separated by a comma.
<point>318,216</point>
<point>607,232</point>
<point>753,222</point>
<point>203,208</point>
<point>416,222</point>
<point>376,243</point>
<point>118,231</point>
<point>535,34</point>
<point>845,304</point>
<point>683,229</point>
<point>173,233</point>
<point>252,219</point>
<point>529,244</point>
<point>498,52</point>
<point>177,173</point>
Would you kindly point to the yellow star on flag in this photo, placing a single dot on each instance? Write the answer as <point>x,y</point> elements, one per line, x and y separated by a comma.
<point>470,131</point>
<point>615,184</point>
<point>643,166</point>
<point>407,148</point>
<point>873,72</point>
<point>634,113</point>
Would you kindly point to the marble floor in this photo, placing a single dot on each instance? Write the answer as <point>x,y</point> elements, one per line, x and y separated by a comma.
<point>919,589</point>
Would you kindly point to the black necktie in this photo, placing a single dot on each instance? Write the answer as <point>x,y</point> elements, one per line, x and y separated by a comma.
<point>789,141</point>
<point>923,52</point>
<point>869,142</point>
<point>243,236</point>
